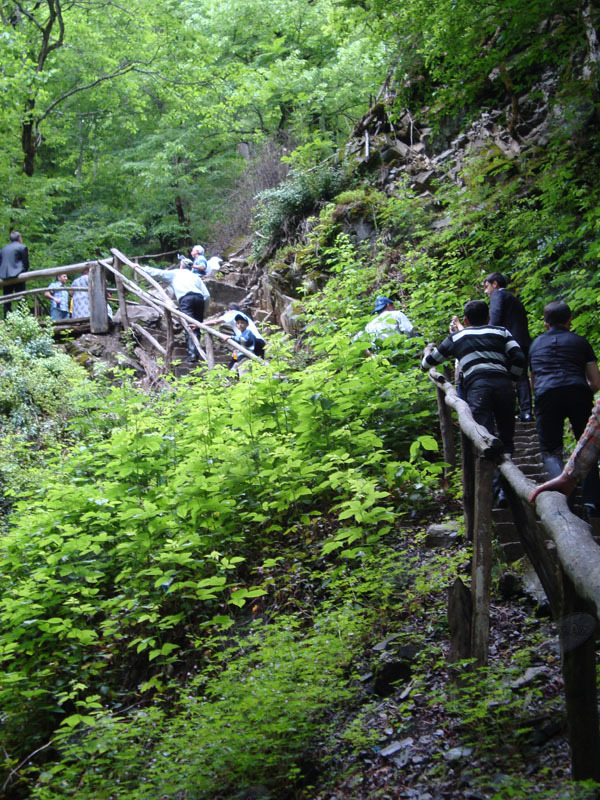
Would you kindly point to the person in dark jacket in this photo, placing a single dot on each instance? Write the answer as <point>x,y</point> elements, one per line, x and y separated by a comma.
<point>565,377</point>
<point>490,360</point>
<point>509,312</point>
<point>14,259</point>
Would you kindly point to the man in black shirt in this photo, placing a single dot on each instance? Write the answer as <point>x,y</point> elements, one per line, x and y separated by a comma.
<point>14,259</point>
<point>490,360</point>
<point>565,377</point>
<point>509,312</point>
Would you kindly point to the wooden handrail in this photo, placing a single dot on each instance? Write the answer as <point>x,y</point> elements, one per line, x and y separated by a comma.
<point>571,580</point>
<point>174,310</point>
<point>163,304</point>
<point>578,553</point>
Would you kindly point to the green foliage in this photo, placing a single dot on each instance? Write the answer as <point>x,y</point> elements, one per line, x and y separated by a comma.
<point>248,720</point>
<point>146,539</point>
<point>280,209</point>
<point>537,227</point>
<point>39,384</point>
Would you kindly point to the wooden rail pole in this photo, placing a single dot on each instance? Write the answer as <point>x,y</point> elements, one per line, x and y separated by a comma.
<point>170,342</point>
<point>97,296</point>
<point>579,676</point>
<point>468,484</point>
<point>121,295</point>
<point>446,431</point>
<point>210,351</point>
<point>482,558</point>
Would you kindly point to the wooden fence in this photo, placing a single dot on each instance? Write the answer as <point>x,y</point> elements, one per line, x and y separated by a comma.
<point>565,557</point>
<point>160,301</point>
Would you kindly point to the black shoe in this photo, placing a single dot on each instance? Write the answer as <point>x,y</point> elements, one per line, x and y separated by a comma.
<point>191,359</point>
<point>525,416</point>
<point>590,511</point>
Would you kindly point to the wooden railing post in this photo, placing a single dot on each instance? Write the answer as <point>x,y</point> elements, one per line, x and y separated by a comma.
<point>482,558</point>
<point>468,484</point>
<point>446,431</point>
<point>121,295</point>
<point>97,295</point>
<point>578,656</point>
<point>210,351</point>
<point>170,341</point>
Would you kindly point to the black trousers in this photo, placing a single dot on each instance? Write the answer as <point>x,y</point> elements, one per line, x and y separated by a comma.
<point>16,287</point>
<point>192,304</point>
<point>552,408</point>
<point>492,403</point>
<point>524,392</point>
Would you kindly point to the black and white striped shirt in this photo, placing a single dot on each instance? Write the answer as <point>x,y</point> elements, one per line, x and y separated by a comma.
<point>482,351</point>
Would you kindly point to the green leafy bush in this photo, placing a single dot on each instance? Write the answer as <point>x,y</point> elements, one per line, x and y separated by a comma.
<point>247,721</point>
<point>280,209</point>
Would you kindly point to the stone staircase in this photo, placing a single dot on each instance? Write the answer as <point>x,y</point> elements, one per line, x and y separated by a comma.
<point>527,457</point>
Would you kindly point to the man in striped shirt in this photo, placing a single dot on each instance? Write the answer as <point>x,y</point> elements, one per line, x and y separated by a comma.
<point>490,361</point>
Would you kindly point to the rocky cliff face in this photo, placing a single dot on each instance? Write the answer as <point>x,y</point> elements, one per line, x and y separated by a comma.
<point>424,151</point>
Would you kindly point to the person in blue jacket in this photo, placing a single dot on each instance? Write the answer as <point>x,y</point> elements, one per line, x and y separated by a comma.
<point>245,337</point>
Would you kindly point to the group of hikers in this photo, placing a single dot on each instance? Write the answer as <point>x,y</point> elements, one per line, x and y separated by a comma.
<point>185,278</point>
<point>186,281</point>
<point>494,352</point>
<point>491,344</point>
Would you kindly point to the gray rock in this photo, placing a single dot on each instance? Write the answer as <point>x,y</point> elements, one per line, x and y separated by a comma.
<point>530,675</point>
<point>457,753</point>
<point>394,747</point>
<point>441,536</point>
<point>141,314</point>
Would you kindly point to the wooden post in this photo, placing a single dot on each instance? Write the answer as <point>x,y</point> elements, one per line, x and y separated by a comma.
<point>579,676</point>
<point>121,295</point>
<point>210,352</point>
<point>97,295</point>
<point>170,342</point>
<point>468,482</point>
<point>460,617</point>
<point>446,431</point>
<point>482,558</point>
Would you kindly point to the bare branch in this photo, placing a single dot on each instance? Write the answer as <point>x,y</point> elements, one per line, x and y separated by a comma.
<point>123,69</point>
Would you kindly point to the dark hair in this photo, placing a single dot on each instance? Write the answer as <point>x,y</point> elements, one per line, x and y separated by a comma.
<point>497,277</point>
<point>557,313</point>
<point>477,312</point>
<point>239,317</point>
<point>14,236</point>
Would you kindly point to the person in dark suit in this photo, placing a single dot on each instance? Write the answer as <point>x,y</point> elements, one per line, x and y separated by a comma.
<point>14,259</point>
<point>509,312</point>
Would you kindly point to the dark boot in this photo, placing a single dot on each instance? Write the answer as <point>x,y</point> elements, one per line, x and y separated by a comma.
<point>192,355</point>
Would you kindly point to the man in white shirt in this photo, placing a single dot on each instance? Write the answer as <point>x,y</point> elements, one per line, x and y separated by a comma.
<point>190,293</point>
<point>387,322</point>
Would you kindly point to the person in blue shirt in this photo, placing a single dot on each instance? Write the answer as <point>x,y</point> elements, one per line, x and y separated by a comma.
<point>199,262</point>
<point>245,337</point>
<point>59,297</point>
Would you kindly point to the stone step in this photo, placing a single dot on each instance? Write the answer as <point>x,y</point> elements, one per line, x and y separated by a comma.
<point>512,551</point>
<point>505,532</point>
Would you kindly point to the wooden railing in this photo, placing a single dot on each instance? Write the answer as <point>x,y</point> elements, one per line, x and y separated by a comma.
<point>567,563</point>
<point>99,321</point>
